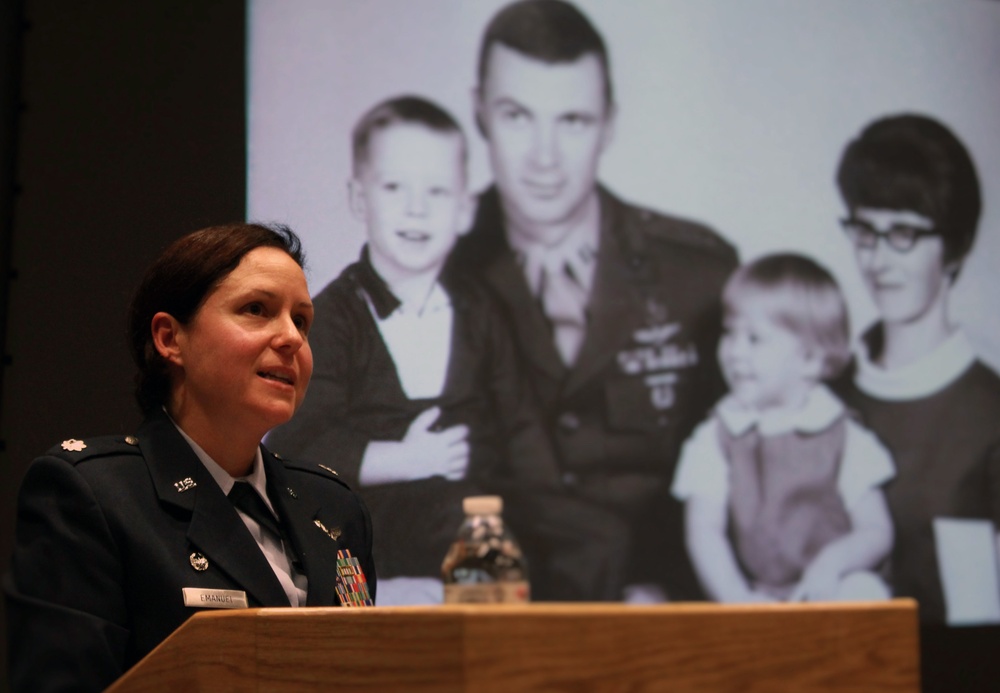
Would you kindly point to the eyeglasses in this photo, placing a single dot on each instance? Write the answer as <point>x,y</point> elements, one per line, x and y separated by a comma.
<point>900,237</point>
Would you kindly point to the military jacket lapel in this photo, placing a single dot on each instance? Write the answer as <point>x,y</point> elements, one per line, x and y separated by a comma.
<point>533,331</point>
<point>299,511</point>
<point>215,528</point>
<point>615,309</point>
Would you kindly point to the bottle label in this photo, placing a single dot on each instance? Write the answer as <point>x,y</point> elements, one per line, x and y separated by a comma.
<point>516,592</point>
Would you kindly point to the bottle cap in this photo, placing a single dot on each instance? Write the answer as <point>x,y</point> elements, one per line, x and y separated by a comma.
<point>482,505</point>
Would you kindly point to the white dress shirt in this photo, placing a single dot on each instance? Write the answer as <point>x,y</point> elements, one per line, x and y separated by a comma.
<point>419,341</point>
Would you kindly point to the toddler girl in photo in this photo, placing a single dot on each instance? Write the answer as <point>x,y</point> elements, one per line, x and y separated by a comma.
<point>782,490</point>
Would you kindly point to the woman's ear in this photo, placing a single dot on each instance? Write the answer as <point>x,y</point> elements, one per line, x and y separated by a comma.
<point>951,270</point>
<point>167,337</point>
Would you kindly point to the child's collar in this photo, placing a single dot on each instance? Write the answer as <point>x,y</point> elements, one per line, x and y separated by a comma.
<point>379,295</point>
<point>821,409</point>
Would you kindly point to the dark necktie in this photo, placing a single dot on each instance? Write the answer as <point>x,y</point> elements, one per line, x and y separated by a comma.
<point>245,498</point>
<point>564,301</point>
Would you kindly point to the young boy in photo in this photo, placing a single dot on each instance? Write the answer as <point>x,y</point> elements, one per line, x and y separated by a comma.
<point>782,490</point>
<point>416,388</point>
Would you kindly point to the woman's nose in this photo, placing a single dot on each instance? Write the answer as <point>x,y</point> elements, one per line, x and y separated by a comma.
<point>289,335</point>
<point>880,255</point>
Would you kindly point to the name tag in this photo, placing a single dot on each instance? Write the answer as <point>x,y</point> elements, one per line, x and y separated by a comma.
<point>214,599</point>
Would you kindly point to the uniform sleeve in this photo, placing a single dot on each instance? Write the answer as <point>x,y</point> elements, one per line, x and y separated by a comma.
<point>866,464</point>
<point>67,620</point>
<point>702,470</point>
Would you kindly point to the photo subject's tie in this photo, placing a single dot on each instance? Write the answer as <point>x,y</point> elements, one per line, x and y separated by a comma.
<point>245,498</point>
<point>564,301</point>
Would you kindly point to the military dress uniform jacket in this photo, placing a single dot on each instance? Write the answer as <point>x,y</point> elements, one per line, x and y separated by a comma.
<point>646,373</point>
<point>108,536</point>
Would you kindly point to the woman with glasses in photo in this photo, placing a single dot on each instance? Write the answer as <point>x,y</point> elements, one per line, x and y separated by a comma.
<point>913,203</point>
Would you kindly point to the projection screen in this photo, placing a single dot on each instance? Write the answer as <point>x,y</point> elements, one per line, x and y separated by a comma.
<point>731,113</point>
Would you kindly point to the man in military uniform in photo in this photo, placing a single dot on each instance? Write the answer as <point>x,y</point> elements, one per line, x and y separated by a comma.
<point>614,308</point>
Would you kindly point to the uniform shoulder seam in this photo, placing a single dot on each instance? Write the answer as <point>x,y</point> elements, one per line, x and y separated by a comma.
<point>663,227</point>
<point>317,469</point>
<point>76,450</point>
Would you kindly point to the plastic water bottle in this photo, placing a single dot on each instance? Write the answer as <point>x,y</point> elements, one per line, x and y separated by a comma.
<point>484,564</point>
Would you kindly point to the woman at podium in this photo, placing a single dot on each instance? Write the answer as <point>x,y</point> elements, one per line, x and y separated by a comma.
<point>121,538</point>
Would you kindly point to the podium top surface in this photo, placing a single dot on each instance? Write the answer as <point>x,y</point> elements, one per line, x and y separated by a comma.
<point>821,647</point>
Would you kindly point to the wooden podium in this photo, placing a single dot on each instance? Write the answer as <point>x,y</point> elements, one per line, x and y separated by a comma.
<point>541,647</point>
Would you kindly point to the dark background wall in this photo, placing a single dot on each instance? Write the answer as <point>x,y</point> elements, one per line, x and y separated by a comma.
<point>130,133</point>
<point>122,127</point>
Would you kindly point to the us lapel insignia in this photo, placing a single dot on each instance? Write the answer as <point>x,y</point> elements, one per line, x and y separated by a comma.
<point>185,484</point>
<point>332,533</point>
<point>292,493</point>
<point>73,445</point>
<point>198,562</point>
<point>131,440</point>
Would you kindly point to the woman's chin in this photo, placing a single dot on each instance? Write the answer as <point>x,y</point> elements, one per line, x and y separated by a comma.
<point>276,414</point>
<point>891,314</point>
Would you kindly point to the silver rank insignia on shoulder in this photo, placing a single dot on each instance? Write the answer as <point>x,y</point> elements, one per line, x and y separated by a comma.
<point>185,484</point>
<point>332,533</point>
<point>198,562</point>
<point>73,445</point>
<point>332,471</point>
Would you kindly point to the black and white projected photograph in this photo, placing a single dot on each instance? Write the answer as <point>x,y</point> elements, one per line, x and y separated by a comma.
<point>705,290</point>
